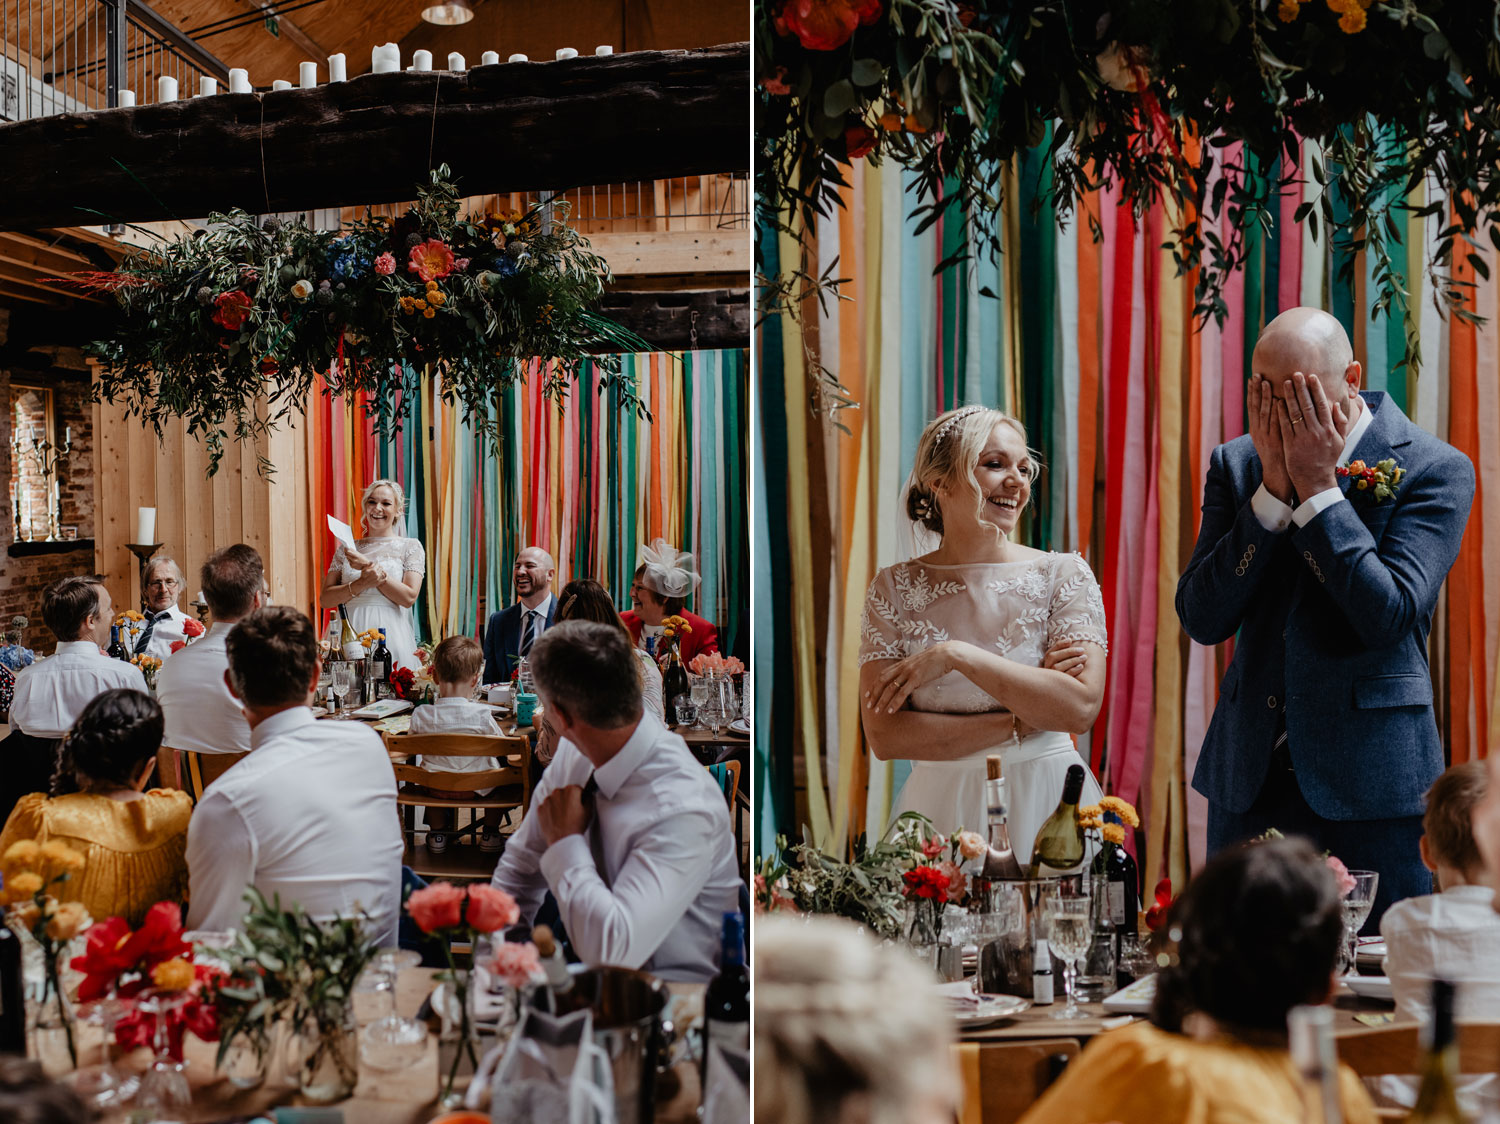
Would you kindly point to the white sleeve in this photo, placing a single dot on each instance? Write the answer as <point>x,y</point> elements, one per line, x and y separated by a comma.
<point>519,872</point>
<point>415,560</point>
<point>625,923</point>
<point>221,858</point>
<point>1308,510</point>
<point>1272,514</point>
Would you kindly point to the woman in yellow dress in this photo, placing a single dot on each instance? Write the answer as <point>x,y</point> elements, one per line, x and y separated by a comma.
<point>133,842</point>
<point>1260,935</point>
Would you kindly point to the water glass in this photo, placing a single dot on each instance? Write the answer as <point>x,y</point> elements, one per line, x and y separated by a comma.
<point>1069,928</point>
<point>392,1042</point>
<point>687,711</point>
<point>698,686</point>
<point>1357,904</point>
<point>344,681</point>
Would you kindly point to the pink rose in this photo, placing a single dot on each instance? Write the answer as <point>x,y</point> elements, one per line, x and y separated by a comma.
<point>385,264</point>
<point>517,964</point>
<point>1341,875</point>
<point>971,844</point>
<point>439,906</point>
<point>460,265</point>
<point>491,909</point>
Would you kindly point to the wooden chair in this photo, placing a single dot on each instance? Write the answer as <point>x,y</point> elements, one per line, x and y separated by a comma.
<point>1397,1049</point>
<point>727,777</point>
<point>202,769</point>
<point>1009,1077</point>
<point>511,783</point>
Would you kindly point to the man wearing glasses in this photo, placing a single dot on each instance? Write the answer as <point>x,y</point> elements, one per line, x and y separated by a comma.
<point>165,622</point>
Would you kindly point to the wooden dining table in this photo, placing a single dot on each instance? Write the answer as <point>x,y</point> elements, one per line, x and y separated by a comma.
<point>407,1096</point>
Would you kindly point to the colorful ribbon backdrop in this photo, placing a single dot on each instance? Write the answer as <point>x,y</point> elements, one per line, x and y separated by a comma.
<point>587,481</point>
<point>1093,346</point>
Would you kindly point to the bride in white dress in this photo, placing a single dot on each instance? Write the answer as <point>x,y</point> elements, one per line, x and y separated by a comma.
<point>981,645</point>
<point>379,582</point>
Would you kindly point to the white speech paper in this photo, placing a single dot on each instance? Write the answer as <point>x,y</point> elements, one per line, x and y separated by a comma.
<point>342,531</point>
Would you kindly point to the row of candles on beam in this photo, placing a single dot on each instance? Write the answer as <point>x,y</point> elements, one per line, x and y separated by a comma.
<point>385,59</point>
<point>46,456</point>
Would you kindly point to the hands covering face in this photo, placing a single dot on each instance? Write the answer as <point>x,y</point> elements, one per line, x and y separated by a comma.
<point>1298,435</point>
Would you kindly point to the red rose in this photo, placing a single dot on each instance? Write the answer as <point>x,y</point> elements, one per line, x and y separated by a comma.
<point>859,140</point>
<point>178,645</point>
<point>192,627</point>
<point>491,909</point>
<point>231,309</point>
<point>439,906</point>
<point>825,25</point>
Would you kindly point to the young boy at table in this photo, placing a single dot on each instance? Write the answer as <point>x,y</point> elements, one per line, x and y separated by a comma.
<point>456,665</point>
<point>1454,933</point>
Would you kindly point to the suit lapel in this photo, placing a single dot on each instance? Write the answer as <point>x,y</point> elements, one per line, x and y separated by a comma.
<point>1388,432</point>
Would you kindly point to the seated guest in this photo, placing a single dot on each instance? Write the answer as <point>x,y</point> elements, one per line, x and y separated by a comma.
<point>624,788</point>
<point>1260,928</point>
<point>310,814</point>
<point>663,581</point>
<point>513,630</point>
<point>456,664</point>
<point>833,1012</point>
<point>202,716</point>
<point>1454,933</point>
<point>165,623</point>
<point>587,600</point>
<point>51,693</point>
<point>132,841</point>
<point>27,1096</point>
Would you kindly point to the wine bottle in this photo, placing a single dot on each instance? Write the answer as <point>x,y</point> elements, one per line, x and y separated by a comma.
<point>12,995</point>
<point>349,644</point>
<point>1437,1100</point>
<point>560,996</point>
<point>674,678</point>
<point>1000,863</point>
<point>1059,843</point>
<point>380,660</point>
<point>1310,1038</point>
<point>116,648</point>
<point>726,1003</point>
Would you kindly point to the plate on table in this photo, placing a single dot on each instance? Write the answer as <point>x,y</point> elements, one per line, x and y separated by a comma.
<point>1132,999</point>
<point>971,1010</point>
<point>318,711</point>
<point>1370,987</point>
<point>740,726</point>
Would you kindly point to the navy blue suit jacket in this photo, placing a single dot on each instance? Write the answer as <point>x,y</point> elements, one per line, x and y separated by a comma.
<point>502,640</point>
<point>1333,621</point>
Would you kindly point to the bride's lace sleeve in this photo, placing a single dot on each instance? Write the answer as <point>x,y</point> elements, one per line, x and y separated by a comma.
<point>1076,611</point>
<point>879,634</point>
<point>415,561</point>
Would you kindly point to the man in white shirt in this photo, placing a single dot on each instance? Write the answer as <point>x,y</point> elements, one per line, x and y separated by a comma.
<point>165,623</point>
<point>201,715</point>
<point>310,814</point>
<point>513,630</point>
<point>626,828</point>
<point>52,692</point>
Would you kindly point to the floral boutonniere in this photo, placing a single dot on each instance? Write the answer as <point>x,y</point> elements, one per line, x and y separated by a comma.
<point>1383,478</point>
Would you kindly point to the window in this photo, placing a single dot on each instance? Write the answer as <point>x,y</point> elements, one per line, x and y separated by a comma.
<point>34,455</point>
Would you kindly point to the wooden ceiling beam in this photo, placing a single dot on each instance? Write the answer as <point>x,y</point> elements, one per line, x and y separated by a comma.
<point>7,292</point>
<point>511,127</point>
<point>316,51</point>
<point>19,275</point>
<point>72,258</point>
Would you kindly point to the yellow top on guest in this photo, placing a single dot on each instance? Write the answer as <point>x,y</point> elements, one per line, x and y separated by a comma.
<point>133,849</point>
<point>1141,1074</point>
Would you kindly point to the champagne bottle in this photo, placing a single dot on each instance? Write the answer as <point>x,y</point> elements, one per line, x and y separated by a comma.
<point>1437,1100</point>
<point>674,678</point>
<point>1000,863</point>
<point>726,1003</point>
<point>12,995</point>
<point>349,644</point>
<point>1310,1037</point>
<point>116,646</point>
<point>560,996</point>
<point>1059,843</point>
<point>380,660</point>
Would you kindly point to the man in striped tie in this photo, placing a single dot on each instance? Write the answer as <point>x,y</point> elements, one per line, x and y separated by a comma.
<point>165,623</point>
<point>1328,580</point>
<point>513,630</point>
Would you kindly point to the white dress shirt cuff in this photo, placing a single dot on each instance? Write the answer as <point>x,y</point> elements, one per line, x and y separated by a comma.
<point>1271,512</point>
<point>569,853</point>
<point>1308,510</point>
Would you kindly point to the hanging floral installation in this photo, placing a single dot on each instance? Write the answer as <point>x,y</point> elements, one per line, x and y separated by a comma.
<point>232,327</point>
<point>1152,97</point>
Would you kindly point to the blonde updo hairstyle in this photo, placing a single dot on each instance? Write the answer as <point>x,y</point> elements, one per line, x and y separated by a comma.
<point>845,1029</point>
<point>370,490</point>
<point>946,455</point>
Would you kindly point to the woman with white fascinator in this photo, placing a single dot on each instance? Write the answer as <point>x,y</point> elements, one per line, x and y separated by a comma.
<point>980,645</point>
<point>664,580</point>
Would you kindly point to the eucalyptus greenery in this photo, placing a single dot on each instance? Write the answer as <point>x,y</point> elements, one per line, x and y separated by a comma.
<point>1147,96</point>
<point>234,326</point>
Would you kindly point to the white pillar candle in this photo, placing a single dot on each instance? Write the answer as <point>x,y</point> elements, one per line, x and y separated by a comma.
<point>166,88</point>
<point>421,61</point>
<point>387,59</point>
<point>566,53</point>
<point>489,58</point>
<point>207,86</point>
<point>127,98</point>
<point>455,62</point>
<point>518,58</point>
<point>604,50</point>
<point>239,81</point>
<point>281,84</point>
<point>307,75</point>
<point>336,70</point>
<point>145,526</point>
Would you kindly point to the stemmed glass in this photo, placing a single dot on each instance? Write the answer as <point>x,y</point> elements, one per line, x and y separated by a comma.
<point>163,1092</point>
<point>698,688</point>
<point>1069,927</point>
<point>101,1084</point>
<point>392,1042</point>
<point>343,681</point>
<point>1357,904</point>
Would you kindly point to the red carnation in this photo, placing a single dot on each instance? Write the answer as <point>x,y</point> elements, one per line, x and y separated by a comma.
<point>231,309</point>
<point>826,25</point>
<point>402,681</point>
<point>926,882</point>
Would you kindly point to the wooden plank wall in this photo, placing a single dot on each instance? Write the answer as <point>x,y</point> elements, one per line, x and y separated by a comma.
<point>197,513</point>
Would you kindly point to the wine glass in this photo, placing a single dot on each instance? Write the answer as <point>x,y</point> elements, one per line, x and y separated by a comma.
<point>391,1042</point>
<point>1070,929</point>
<point>1357,904</point>
<point>163,1092</point>
<point>101,1084</point>
<point>343,681</point>
<point>698,688</point>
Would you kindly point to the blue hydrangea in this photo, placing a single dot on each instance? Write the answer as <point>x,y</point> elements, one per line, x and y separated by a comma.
<point>16,657</point>
<point>505,267</point>
<point>347,261</point>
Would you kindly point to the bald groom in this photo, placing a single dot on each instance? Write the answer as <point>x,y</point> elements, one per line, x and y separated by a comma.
<point>1324,725</point>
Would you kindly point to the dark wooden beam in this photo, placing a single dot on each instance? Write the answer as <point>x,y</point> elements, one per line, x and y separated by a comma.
<point>708,320</point>
<point>512,127</point>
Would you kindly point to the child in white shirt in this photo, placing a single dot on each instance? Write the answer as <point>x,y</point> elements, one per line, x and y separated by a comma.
<point>456,666</point>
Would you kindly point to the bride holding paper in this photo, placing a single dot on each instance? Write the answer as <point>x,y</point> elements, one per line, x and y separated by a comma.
<point>379,576</point>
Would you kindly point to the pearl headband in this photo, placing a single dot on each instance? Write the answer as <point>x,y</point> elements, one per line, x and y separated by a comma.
<point>958,416</point>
